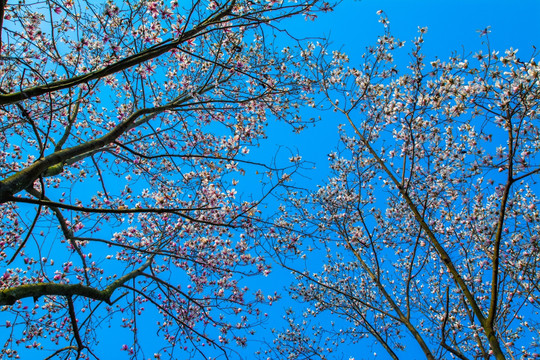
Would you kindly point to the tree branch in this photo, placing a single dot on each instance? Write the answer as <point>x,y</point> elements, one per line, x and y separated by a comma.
<point>10,295</point>
<point>53,163</point>
<point>74,325</point>
<point>443,255</point>
<point>133,60</point>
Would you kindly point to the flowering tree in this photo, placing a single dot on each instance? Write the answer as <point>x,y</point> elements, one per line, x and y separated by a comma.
<point>428,230</point>
<point>125,130</point>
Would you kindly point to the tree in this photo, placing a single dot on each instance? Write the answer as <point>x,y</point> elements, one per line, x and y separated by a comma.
<point>125,130</point>
<point>428,230</point>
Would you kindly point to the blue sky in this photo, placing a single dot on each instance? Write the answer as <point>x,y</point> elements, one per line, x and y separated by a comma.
<point>351,27</point>
<point>452,28</point>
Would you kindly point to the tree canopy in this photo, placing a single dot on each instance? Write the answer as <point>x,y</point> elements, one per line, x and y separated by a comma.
<point>429,223</point>
<point>126,127</point>
<point>130,197</point>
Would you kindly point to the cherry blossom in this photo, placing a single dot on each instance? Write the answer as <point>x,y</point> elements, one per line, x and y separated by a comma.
<point>427,230</point>
<point>126,129</point>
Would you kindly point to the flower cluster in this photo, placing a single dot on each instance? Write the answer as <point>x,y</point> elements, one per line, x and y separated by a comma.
<point>429,224</point>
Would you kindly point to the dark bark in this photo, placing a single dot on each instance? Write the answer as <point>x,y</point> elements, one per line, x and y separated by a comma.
<point>130,61</point>
<point>10,295</point>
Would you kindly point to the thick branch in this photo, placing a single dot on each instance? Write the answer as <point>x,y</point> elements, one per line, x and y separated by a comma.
<point>53,163</point>
<point>123,64</point>
<point>26,177</point>
<point>74,325</point>
<point>10,295</point>
<point>52,204</point>
<point>489,327</point>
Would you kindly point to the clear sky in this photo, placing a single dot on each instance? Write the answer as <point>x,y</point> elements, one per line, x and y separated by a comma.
<point>452,27</point>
